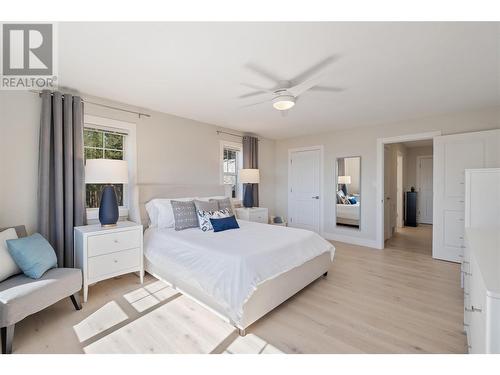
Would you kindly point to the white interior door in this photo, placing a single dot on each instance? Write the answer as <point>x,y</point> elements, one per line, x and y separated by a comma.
<point>387,192</point>
<point>399,192</point>
<point>304,189</point>
<point>424,188</point>
<point>452,155</point>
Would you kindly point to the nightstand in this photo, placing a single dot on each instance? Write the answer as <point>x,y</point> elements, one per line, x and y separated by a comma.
<point>105,252</point>
<point>257,214</point>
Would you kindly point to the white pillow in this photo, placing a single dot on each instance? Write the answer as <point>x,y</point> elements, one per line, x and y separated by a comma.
<point>162,208</point>
<point>8,267</point>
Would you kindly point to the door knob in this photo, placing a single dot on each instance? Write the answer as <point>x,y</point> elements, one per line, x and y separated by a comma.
<point>316,197</point>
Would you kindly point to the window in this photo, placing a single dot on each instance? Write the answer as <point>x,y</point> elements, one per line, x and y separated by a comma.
<point>102,144</point>
<point>231,164</point>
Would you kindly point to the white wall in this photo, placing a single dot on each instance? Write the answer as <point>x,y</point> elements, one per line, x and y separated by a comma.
<point>19,124</point>
<point>363,142</point>
<point>170,150</point>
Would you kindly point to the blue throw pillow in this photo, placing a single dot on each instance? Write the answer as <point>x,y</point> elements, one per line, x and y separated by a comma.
<point>33,255</point>
<point>225,223</point>
<point>353,200</point>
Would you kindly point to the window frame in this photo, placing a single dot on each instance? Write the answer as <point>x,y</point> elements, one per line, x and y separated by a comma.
<point>129,154</point>
<point>239,148</point>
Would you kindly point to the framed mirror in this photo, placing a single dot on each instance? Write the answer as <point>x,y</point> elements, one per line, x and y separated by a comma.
<point>348,192</point>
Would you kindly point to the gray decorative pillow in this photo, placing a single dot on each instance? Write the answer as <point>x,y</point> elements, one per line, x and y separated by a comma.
<point>184,215</point>
<point>205,206</point>
<point>223,204</point>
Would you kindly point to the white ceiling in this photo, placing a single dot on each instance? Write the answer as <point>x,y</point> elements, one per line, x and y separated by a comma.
<point>390,71</point>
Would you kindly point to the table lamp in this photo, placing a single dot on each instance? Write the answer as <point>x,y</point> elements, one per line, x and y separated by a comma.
<point>249,177</point>
<point>107,171</point>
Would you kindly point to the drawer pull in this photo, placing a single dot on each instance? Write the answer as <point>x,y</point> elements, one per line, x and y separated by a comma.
<point>115,241</point>
<point>460,201</point>
<point>115,260</point>
<point>466,294</point>
<point>473,309</point>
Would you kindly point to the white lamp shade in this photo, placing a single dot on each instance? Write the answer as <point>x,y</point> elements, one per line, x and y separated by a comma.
<point>344,180</point>
<point>249,176</point>
<point>106,171</point>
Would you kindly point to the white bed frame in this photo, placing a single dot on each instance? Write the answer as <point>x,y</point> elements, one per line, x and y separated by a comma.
<point>268,295</point>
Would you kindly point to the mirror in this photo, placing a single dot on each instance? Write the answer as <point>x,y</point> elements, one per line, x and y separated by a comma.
<point>348,192</point>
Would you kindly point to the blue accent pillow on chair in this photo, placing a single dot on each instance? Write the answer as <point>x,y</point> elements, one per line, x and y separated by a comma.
<point>225,223</point>
<point>353,200</point>
<point>33,255</point>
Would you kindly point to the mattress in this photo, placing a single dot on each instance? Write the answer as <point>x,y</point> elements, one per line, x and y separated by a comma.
<point>228,266</point>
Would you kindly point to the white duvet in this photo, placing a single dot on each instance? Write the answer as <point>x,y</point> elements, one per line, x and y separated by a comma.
<point>229,265</point>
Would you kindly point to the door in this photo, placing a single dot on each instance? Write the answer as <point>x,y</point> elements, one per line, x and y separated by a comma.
<point>399,191</point>
<point>304,189</point>
<point>452,155</point>
<point>424,189</point>
<point>387,192</point>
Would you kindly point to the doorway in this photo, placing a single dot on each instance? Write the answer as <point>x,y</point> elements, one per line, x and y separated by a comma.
<point>406,191</point>
<point>305,181</point>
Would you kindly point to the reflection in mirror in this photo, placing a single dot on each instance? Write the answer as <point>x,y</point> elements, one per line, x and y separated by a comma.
<point>348,192</point>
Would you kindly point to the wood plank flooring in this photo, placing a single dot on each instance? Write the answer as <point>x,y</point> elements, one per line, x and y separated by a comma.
<point>397,300</point>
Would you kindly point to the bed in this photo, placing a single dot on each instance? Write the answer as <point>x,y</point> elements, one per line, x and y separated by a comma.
<point>239,274</point>
<point>348,214</point>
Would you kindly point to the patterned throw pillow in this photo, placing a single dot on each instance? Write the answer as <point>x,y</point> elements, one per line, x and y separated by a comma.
<point>184,215</point>
<point>223,203</point>
<point>205,216</point>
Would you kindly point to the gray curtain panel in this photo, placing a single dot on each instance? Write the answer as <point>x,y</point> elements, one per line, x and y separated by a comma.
<point>61,180</point>
<point>251,160</point>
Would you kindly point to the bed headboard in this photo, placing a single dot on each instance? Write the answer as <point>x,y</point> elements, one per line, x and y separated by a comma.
<point>151,191</point>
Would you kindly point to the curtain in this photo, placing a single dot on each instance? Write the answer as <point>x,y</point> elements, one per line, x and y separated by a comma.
<point>61,183</point>
<point>251,160</point>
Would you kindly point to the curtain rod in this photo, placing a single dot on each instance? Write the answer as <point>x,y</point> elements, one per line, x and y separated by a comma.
<point>39,93</point>
<point>232,134</point>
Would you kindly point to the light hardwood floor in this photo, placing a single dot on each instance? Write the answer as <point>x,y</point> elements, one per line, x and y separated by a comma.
<point>397,300</point>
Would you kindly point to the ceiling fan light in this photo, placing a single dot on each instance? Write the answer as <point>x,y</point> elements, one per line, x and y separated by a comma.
<point>283,102</point>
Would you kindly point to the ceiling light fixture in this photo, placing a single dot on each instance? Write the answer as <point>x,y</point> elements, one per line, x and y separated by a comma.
<point>283,102</point>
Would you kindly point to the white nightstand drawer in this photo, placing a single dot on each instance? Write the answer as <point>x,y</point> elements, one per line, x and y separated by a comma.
<point>111,263</point>
<point>111,242</point>
<point>259,217</point>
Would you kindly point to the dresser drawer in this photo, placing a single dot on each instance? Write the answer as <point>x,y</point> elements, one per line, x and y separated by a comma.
<point>107,264</point>
<point>111,242</point>
<point>259,216</point>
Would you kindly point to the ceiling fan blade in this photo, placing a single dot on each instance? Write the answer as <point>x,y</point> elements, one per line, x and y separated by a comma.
<point>263,73</point>
<point>326,89</point>
<point>315,70</point>
<point>304,86</point>
<point>253,104</point>
<point>250,94</point>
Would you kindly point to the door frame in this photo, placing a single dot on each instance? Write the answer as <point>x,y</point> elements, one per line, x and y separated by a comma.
<point>319,148</point>
<point>420,157</point>
<point>380,175</point>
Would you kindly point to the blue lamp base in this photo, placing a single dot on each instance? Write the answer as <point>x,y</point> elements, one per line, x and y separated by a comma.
<point>248,196</point>
<point>108,209</point>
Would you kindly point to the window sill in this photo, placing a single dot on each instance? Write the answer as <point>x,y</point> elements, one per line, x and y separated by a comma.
<point>93,213</point>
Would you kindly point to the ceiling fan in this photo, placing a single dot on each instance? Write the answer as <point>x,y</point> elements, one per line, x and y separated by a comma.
<point>285,94</point>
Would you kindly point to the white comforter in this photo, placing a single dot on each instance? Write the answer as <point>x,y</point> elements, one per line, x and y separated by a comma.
<point>229,265</point>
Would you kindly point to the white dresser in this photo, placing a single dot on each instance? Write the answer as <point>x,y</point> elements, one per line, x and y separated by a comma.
<point>481,268</point>
<point>105,252</point>
<point>257,214</point>
<point>481,262</point>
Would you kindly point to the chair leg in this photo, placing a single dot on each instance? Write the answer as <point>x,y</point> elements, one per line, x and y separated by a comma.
<point>75,298</point>
<point>325,274</point>
<point>7,334</point>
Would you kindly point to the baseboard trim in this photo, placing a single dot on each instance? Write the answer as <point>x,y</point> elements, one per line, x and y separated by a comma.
<point>351,240</point>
